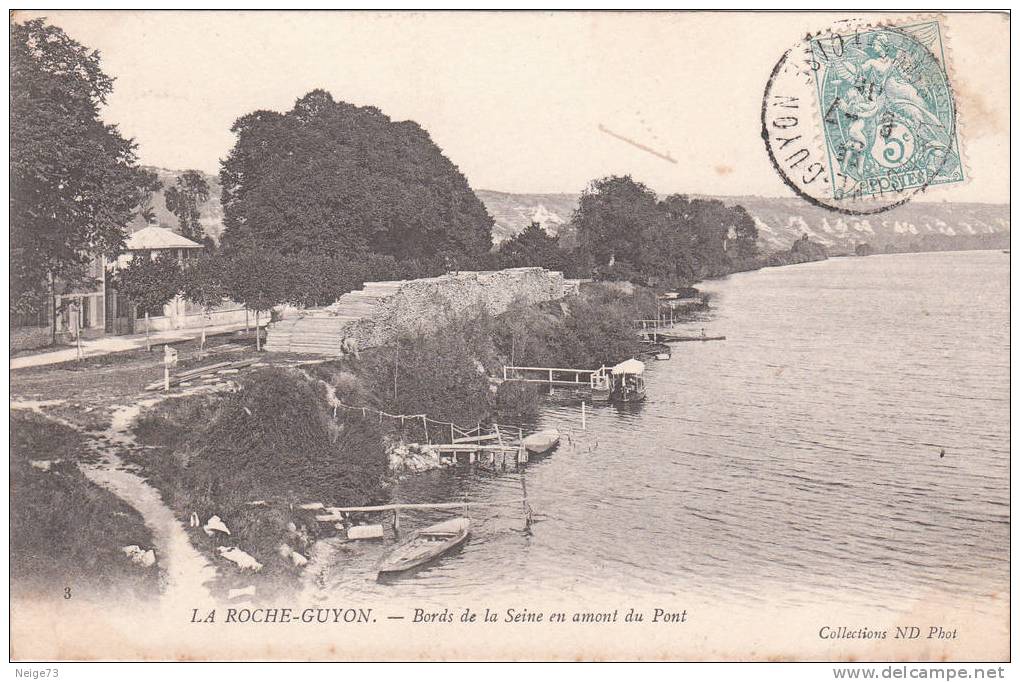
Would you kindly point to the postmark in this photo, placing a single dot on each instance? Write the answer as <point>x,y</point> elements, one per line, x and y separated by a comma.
<point>861,118</point>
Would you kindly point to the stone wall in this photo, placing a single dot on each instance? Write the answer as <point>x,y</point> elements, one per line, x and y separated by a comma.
<point>423,304</point>
<point>29,338</point>
<point>382,311</point>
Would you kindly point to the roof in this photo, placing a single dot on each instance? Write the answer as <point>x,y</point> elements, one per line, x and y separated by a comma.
<point>152,238</point>
<point>631,366</point>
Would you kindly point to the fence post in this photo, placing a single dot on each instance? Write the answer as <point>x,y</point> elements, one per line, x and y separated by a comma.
<point>584,421</point>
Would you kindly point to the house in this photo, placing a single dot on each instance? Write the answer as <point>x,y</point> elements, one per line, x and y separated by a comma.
<point>96,309</point>
<point>151,242</point>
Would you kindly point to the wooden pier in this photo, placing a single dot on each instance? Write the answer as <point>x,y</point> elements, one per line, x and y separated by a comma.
<point>550,376</point>
<point>500,449</point>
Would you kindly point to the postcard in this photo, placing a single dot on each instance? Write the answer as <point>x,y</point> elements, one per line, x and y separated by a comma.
<point>544,336</point>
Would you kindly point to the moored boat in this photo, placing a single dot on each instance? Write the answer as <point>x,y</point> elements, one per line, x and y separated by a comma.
<point>628,382</point>
<point>542,441</point>
<point>425,546</point>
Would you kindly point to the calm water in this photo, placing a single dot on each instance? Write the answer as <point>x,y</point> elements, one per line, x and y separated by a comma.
<point>798,458</point>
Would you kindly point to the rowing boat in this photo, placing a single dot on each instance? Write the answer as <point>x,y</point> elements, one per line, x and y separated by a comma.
<point>673,338</point>
<point>426,545</point>
<point>542,441</point>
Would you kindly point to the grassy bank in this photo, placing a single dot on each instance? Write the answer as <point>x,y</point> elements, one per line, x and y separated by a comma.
<point>250,457</point>
<point>67,532</point>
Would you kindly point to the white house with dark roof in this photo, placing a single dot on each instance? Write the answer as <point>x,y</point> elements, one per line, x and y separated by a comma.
<point>152,241</point>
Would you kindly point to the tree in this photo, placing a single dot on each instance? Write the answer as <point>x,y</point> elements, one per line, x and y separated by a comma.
<point>532,247</point>
<point>183,200</point>
<point>75,182</point>
<point>745,234</point>
<point>257,278</point>
<point>611,219</point>
<point>201,283</point>
<point>149,283</point>
<point>336,180</point>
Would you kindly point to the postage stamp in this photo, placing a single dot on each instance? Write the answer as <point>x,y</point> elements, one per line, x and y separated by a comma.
<point>887,110</point>
<point>861,118</point>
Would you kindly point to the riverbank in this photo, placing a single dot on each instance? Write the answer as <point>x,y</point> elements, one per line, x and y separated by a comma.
<point>254,456</point>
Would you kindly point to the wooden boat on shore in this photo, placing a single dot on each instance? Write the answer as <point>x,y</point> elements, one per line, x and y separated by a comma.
<point>425,546</point>
<point>541,442</point>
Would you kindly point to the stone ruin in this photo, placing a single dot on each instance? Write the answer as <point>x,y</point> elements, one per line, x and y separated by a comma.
<point>382,311</point>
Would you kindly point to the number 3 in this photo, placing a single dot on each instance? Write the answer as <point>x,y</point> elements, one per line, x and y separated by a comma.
<point>67,593</point>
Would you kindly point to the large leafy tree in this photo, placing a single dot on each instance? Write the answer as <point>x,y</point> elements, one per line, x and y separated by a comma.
<point>336,180</point>
<point>184,199</point>
<point>709,226</point>
<point>75,182</point>
<point>612,217</point>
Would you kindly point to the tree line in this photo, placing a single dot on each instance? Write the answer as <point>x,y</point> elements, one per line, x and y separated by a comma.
<point>316,201</point>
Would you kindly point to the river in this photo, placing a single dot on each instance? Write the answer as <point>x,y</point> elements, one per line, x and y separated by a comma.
<point>796,462</point>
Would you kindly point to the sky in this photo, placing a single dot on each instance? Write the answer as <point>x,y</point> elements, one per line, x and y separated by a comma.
<point>517,101</point>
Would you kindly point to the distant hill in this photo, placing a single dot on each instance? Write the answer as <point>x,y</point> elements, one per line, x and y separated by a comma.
<point>915,226</point>
<point>211,211</point>
<point>514,212</point>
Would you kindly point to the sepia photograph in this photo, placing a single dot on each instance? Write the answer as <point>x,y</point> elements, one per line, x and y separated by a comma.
<point>510,336</point>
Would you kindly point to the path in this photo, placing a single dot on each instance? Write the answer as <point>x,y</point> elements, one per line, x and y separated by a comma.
<point>105,345</point>
<point>185,570</point>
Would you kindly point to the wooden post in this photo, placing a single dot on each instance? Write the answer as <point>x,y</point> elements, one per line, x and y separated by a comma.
<point>52,311</point>
<point>201,345</point>
<point>584,421</point>
<point>452,437</point>
<point>396,521</point>
<point>258,336</point>
<point>148,345</point>
<point>550,376</point>
<point>166,377</point>
<point>524,502</point>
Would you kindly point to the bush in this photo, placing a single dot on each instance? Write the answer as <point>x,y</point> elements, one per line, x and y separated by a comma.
<point>443,373</point>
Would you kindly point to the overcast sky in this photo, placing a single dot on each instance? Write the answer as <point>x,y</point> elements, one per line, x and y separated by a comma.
<point>515,100</point>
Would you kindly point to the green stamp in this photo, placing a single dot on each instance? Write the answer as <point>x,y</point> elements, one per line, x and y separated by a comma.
<point>887,108</point>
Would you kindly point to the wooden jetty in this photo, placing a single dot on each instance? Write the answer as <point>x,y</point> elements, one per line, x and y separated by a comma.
<point>697,338</point>
<point>499,450</point>
<point>663,337</point>
<point>551,376</point>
